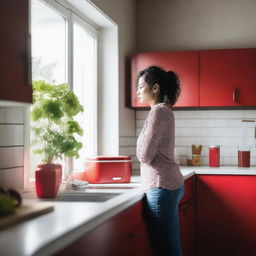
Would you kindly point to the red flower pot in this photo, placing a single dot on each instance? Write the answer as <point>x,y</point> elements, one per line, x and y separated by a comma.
<point>48,179</point>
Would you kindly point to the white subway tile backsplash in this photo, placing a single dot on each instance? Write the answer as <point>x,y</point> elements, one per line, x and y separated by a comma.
<point>1,115</point>
<point>127,151</point>
<point>136,166</point>
<point>253,151</point>
<point>140,123</point>
<point>11,157</point>
<point>248,132</point>
<point>14,115</point>
<point>141,114</point>
<point>138,131</point>
<point>234,123</point>
<point>223,132</point>
<point>229,114</point>
<point>251,114</point>
<point>181,123</point>
<point>181,150</point>
<point>135,159</point>
<point>127,141</point>
<point>211,127</point>
<point>12,178</point>
<point>11,135</point>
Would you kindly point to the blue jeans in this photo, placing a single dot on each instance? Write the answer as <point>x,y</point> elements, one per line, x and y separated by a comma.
<point>161,212</point>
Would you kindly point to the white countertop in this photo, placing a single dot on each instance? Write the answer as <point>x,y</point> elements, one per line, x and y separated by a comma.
<point>50,232</point>
<point>222,170</point>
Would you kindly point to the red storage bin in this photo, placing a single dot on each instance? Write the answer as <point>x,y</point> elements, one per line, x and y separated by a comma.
<point>106,169</point>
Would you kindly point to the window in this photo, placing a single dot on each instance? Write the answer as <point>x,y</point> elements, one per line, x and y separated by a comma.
<point>64,50</point>
<point>49,51</point>
<point>84,79</point>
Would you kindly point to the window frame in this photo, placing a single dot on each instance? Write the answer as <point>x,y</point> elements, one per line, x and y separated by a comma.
<point>70,15</point>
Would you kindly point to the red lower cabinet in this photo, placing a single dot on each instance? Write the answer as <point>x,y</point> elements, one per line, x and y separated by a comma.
<point>187,218</point>
<point>226,215</point>
<point>187,228</point>
<point>138,240</point>
<point>124,234</point>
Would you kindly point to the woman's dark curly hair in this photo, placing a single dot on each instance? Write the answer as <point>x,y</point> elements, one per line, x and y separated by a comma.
<point>168,81</point>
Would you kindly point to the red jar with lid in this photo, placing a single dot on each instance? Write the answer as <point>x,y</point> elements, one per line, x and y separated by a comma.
<point>214,156</point>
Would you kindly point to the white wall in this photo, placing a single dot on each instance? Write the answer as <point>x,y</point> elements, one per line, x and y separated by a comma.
<point>124,14</point>
<point>195,24</point>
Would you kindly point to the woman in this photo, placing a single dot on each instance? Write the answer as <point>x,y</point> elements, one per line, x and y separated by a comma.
<point>161,176</point>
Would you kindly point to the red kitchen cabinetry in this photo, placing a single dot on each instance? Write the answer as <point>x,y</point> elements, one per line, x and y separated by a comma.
<point>187,228</point>
<point>187,218</point>
<point>124,234</point>
<point>184,63</point>
<point>209,78</point>
<point>226,215</point>
<point>15,51</point>
<point>228,77</point>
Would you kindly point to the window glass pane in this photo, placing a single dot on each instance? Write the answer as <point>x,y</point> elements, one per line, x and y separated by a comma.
<point>49,50</point>
<point>84,85</point>
<point>48,44</point>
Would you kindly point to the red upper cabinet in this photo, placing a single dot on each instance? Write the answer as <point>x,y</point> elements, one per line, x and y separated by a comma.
<point>228,77</point>
<point>15,56</point>
<point>184,63</point>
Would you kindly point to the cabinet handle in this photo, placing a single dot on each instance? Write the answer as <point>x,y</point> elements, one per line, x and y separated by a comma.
<point>235,95</point>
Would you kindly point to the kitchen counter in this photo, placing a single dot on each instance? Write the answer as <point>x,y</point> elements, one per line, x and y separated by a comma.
<point>50,232</point>
<point>229,170</point>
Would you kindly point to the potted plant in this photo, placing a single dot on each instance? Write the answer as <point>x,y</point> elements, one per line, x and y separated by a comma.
<point>54,127</point>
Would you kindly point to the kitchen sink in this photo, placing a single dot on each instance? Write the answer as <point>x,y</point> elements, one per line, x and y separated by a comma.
<point>83,197</point>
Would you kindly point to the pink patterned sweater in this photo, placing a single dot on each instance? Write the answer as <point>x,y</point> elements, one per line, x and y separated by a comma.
<point>155,150</point>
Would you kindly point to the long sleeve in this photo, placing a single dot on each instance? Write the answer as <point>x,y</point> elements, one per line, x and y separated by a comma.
<point>152,134</point>
<point>155,150</point>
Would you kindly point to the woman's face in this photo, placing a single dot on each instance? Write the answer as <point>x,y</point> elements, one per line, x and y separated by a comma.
<point>145,95</point>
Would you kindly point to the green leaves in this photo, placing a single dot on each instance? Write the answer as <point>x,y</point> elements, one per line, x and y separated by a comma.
<point>71,104</point>
<point>53,114</point>
<point>74,127</point>
<point>52,109</point>
<point>36,113</point>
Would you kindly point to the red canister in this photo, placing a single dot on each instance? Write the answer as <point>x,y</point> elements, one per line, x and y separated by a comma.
<point>244,158</point>
<point>214,156</point>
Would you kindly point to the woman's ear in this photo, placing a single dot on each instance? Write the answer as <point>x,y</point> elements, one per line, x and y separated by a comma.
<point>156,87</point>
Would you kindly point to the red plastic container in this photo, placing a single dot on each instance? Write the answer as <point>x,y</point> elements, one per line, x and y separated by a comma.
<point>214,156</point>
<point>106,169</point>
<point>48,179</point>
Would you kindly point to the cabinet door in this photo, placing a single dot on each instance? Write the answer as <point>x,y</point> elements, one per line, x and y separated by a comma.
<point>228,77</point>
<point>187,228</point>
<point>189,193</point>
<point>14,61</point>
<point>226,215</point>
<point>139,242</point>
<point>185,64</point>
<point>116,236</point>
